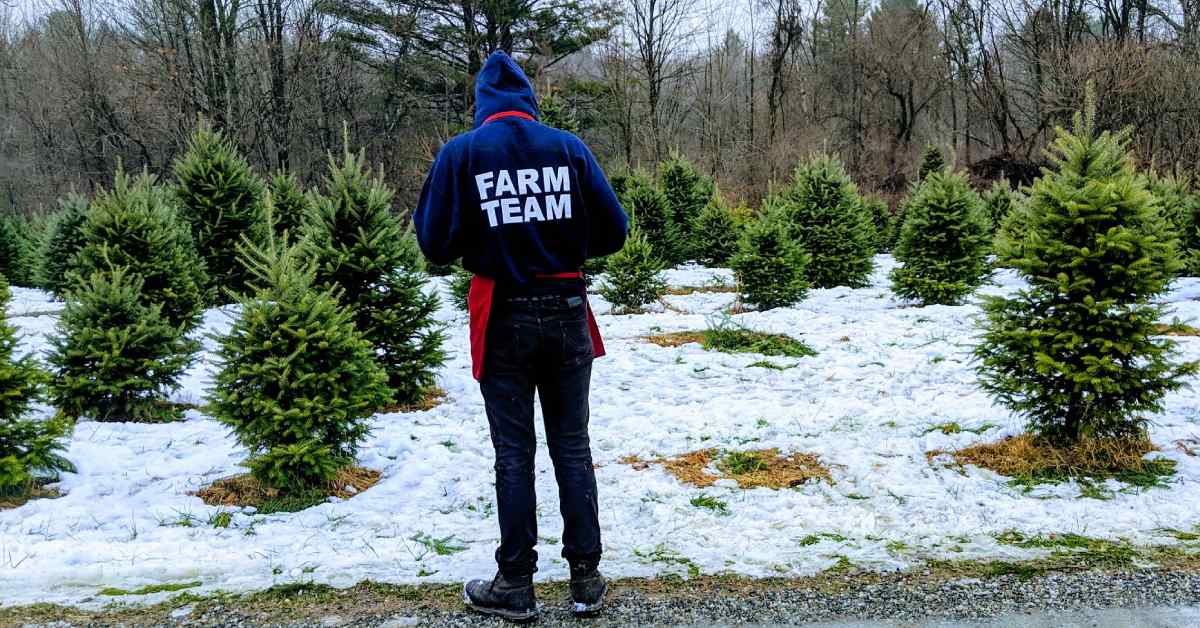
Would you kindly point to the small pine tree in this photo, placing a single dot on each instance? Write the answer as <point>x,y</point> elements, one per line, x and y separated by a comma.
<point>136,226</point>
<point>932,161</point>
<point>687,192</point>
<point>220,197</point>
<point>825,215</point>
<point>460,288</point>
<point>1076,351</point>
<point>362,251</point>
<point>16,262</point>
<point>291,204</point>
<point>717,233</point>
<point>296,382</point>
<point>944,242</point>
<point>114,357</point>
<point>887,227</point>
<point>998,203</point>
<point>770,265</point>
<point>634,278</point>
<point>28,448</point>
<point>620,184</point>
<point>64,241</point>
<point>649,210</point>
<point>1180,205</point>
<point>557,113</point>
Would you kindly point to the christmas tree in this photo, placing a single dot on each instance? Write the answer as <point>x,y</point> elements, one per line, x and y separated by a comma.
<point>1076,351</point>
<point>998,202</point>
<point>296,382</point>
<point>221,199</point>
<point>944,242</point>
<point>887,227</point>
<point>932,161</point>
<point>770,265</point>
<point>825,215</point>
<point>64,241</point>
<point>716,233</point>
<point>114,356</point>
<point>1180,205</point>
<point>460,287</point>
<point>29,449</point>
<point>136,226</point>
<point>648,208</point>
<point>634,275</point>
<point>16,263</point>
<point>687,192</point>
<point>557,113</point>
<point>363,253</point>
<point>290,205</point>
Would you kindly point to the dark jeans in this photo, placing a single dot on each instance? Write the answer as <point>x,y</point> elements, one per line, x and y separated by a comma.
<point>540,341</point>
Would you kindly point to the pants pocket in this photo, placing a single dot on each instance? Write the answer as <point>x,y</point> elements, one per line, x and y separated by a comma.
<point>577,343</point>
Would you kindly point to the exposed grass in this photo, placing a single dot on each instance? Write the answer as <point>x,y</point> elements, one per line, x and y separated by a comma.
<point>710,288</point>
<point>1030,461</point>
<point>731,339</point>
<point>711,503</point>
<point>444,546</point>
<point>955,428</point>
<point>18,499</point>
<point>169,587</point>
<point>245,490</point>
<point>430,399</point>
<point>676,338</point>
<point>764,468</point>
<point>1176,328</point>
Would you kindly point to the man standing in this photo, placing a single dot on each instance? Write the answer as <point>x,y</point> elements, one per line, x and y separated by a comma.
<point>525,205</point>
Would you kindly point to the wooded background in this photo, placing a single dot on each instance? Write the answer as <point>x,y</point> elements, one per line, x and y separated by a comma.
<point>744,89</point>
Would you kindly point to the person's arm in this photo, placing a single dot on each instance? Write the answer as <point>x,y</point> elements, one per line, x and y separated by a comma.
<point>608,225</point>
<point>437,219</point>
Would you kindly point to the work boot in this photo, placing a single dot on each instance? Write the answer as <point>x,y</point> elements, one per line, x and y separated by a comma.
<point>507,597</point>
<point>587,589</point>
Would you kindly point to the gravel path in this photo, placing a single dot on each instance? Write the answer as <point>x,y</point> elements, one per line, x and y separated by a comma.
<point>1133,598</point>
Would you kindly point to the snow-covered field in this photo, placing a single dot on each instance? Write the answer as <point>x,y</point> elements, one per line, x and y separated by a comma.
<point>887,372</point>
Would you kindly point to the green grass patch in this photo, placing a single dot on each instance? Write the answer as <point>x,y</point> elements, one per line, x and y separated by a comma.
<point>444,546</point>
<point>150,589</point>
<point>709,502</point>
<point>955,428</point>
<point>813,539</point>
<point>729,337</point>
<point>742,462</point>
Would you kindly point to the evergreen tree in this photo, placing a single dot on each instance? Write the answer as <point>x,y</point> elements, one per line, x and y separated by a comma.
<point>28,448</point>
<point>1180,205</point>
<point>16,263</point>
<point>770,265</point>
<point>460,288</point>
<point>362,251</point>
<point>687,192</point>
<point>932,161</point>
<point>296,382</point>
<point>291,205</point>
<point>114,356</point>
<point>64,241</point>
<point>944,242</point>
<point>998,202</point>
<point>634,277</point>
<point>221,199</point>
<point>649,210</point>
<point>887,227</point>
<point>717,233</point>
<point>1076,351</point>
<point>136,226</point>
<point>824,214</point>
<point>557,113</point>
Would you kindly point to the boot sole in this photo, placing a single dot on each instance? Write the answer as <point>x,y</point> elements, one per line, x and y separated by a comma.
<point>519,617</point>
<point>581,609</point>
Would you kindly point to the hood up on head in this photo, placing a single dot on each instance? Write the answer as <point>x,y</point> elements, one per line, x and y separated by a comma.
<point>502,86</point>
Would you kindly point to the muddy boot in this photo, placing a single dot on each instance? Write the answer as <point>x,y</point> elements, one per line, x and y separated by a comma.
<point>507,597</point>
<point>587,589</point>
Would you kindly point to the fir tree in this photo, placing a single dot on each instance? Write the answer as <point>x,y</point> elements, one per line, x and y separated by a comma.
<point>998,202</point>
<point>887,227</point>
<point>1076,351</point>
<point>825,215</point>
<point>1180,205</point>
<point>29,449</point>
<point>362,251</point>
<point>556,112</point>
<point>64,241</point>
<point>114,356</point>
<point>687,192</point>
<point>460,288</point>
<point>136,226</point>
<point>16,263</point>
<point>221,199</point>
<point>770,265</point>
<point>649,210</point>
<point>290,205</point>
<point>717,233</point>
<point>944,242</point>
<point>932,161</point>
<point>296,382</point>
<point>634,277</point>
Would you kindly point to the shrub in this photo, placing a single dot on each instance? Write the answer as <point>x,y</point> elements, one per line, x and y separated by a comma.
<point>1075,351</point>
<point>296,382</point>
<point>634,276</point>
<point>687,192</point>
<point>650,212</point>
<point>64,241</point>
<point>28,448</point>
<point>824,214</point>
<point>716,233</point>
<point>362,252</point>
<point>135,226</point>
<point>944,242</point>
<point>932,161</point>
<point>114,356</point>
<point>769,265</point>
<point>221,199</point>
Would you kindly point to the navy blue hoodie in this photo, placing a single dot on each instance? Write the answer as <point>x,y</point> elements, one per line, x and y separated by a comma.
<point>515,198</point>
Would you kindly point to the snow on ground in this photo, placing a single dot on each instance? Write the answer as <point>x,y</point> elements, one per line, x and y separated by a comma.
<point>887,372</point>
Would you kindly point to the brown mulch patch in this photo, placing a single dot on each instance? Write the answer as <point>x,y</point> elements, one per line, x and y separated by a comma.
<point>682,291</point>
<point>1027,456</point>
<point>675,338</point>
<point>1176,329</point>
<point>432,398</point>
<point>246,490</point>
<point>771,470</point>
<point>8,502</point>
